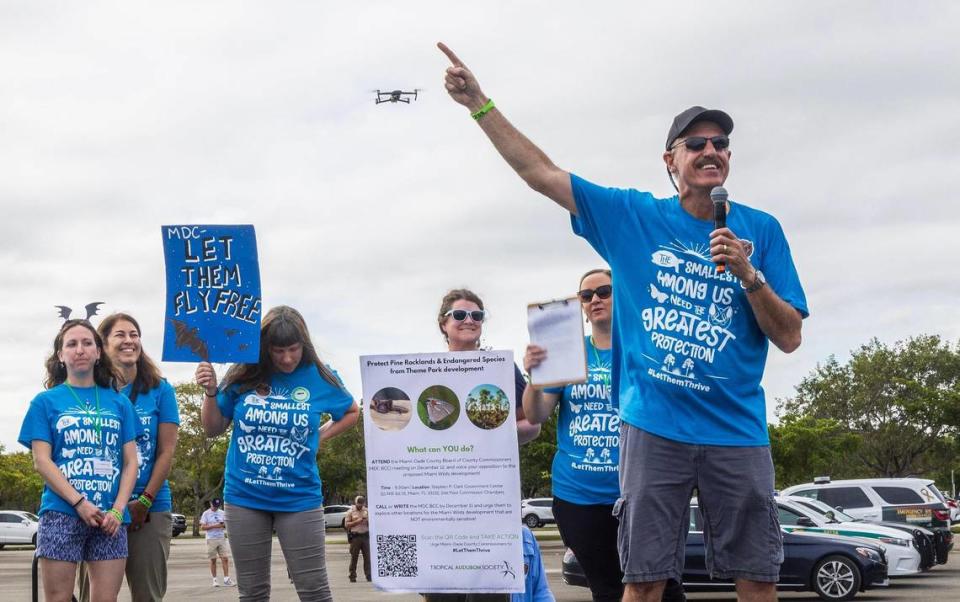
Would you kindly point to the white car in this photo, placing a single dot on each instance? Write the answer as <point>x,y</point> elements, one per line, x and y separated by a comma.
<point>335,516</point>
<point>18,527</point>
<point>914,501</point>
<point>536,512</point>
<point>797,515</point>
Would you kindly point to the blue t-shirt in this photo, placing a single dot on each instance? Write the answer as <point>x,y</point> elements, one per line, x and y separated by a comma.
<point>688,354</point>
<point>89,459</point>
<point>586,465</point>
<point>272,459</point>
<point>158,405</point>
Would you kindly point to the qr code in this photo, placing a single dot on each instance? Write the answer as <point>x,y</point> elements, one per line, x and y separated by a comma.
<point>397,555</point>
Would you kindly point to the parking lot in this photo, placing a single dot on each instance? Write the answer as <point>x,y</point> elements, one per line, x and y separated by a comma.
<point>190,577</point>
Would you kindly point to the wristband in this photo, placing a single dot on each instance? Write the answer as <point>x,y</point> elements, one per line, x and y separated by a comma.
<point>116,514</point>
<point>82,499</point>
<point>145,501</point>
<point>147,495</point>
<point>483,110</point>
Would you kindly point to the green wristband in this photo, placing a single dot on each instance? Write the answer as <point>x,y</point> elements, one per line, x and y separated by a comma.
<point>116,514</point>
<point>145,501</point>
<point>483,110</point>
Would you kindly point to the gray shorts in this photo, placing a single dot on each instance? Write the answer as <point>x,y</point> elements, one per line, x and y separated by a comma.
<point>735,486</point>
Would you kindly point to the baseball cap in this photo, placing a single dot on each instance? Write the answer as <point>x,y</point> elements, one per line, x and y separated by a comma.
<point>695,114</point>
<point>216,502</point>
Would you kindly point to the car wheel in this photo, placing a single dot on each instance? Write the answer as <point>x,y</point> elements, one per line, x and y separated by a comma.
<point>836,578</point>
<point>343,525</point>
<point>34,540</point>
<point>532,521</point>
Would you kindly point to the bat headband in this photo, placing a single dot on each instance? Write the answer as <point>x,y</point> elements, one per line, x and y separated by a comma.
<point>91,309</point>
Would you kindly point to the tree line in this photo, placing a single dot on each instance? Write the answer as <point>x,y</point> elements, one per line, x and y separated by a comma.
<point>889,411</point>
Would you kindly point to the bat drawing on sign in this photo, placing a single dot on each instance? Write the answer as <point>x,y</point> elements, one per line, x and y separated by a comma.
<point>230,332</point>
<point>189,337</point>
<point>91,309</point>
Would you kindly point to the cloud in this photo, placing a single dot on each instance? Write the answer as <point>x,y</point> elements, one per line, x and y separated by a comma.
<point>117,119</point>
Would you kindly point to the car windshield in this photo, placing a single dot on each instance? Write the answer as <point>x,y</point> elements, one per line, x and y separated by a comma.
<point>831,514</point>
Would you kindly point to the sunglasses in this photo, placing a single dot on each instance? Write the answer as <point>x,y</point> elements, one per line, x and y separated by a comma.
<point>460,315</point>
<point>698,143</point>
<point>604,292</point>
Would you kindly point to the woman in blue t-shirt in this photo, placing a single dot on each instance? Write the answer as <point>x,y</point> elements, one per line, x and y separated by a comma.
<point>585,473</point>
<point>271,480</point>
<point>81,432</point>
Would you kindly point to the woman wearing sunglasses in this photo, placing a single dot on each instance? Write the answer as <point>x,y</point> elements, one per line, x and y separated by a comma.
<point>271,479</point>
<point>82,435</point>
<point>460,320</point>
<point>585,475</point>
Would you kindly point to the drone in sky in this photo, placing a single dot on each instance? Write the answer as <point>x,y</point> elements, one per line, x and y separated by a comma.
<point>396,96</point>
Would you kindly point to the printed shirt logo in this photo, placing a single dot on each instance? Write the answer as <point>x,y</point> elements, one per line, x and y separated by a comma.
<point>87,459</point>
<point>691,316</point>
<point>273,435</point>
<point>594,427</point>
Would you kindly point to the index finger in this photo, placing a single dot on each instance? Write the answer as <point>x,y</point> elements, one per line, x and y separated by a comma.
<point>450,55</point>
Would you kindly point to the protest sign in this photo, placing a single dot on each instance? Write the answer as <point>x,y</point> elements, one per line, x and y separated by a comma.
<point>443,480</point>
<point>213,294</point>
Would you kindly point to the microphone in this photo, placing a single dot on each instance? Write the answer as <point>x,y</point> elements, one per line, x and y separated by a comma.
<point>719,197</point>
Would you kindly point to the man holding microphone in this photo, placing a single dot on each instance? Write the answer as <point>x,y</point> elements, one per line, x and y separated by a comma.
<point>689,346</point>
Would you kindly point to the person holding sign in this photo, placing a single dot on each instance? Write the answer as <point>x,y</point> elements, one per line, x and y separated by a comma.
<point>271,478</point>
<point>460,320</point>
<point>585,472</point>
<point>690,344</point>
<point>82,434</point>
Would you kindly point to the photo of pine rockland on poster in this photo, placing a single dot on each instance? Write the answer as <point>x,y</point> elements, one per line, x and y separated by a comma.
<point>443,481</point>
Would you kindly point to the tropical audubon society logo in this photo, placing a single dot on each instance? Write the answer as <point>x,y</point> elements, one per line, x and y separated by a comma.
<point>504,567</point>
<point>300,394</point>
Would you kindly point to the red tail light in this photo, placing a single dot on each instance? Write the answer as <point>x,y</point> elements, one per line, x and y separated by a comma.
<point>941,514</point>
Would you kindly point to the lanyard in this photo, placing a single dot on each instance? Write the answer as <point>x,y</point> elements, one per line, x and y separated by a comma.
<point>96,422</point>
<point>605,377</point>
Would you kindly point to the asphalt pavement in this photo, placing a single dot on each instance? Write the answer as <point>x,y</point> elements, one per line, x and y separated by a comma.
<point>189,577</point>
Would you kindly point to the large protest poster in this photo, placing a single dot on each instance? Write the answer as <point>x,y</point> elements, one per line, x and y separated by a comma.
<point>443,480</point>
<point>213,294</point>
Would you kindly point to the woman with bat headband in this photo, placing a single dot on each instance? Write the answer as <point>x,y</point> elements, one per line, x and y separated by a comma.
<point>82,435</point>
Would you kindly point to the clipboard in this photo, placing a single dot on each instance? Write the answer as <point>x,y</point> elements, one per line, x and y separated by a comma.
<point>557,326</point>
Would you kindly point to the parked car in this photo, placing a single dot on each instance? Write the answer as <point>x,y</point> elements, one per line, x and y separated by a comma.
<point>536,512</point>
<point>335,516</point>
<point>921,539</point>
<point>833,567</point>
<point>179,523</point>
<point>902,557</point>
<point>18,527</point>
<point>914,501</point>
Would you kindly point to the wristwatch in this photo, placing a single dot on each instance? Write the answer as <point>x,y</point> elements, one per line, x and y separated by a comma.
<point>758,282</point>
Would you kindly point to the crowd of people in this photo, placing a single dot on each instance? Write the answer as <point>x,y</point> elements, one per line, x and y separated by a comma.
<point>672,405</point>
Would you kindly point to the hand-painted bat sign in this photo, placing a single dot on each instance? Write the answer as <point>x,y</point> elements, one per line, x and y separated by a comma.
<point>213,303</point>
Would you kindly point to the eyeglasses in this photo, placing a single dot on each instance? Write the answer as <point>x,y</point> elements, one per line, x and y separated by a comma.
<point>477,315</point>
<point>698,143</point>
<point>604,292</point>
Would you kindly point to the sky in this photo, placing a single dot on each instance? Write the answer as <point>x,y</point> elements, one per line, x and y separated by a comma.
<point>119,117</point>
